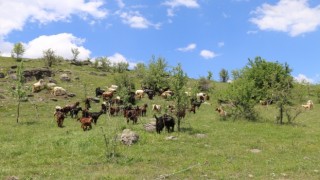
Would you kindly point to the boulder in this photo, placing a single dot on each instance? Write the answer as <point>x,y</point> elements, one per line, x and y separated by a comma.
<point>40,73</point>
<point>65,77</point>
<point>129,137</point>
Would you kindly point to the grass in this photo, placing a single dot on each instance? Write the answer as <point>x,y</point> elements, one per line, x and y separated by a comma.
<point>35,148</point>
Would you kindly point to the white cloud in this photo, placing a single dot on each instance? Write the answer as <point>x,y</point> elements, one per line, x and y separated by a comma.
<point>303,79</point>
<point>221,44</point>
<point>177,3</point>
<point>207,54</point>
<point>120,3</point>
<point>15,14</point>
<point>190,47</point>
<point>117,57</point>
<point>61,44</point>
<point>291,16</point>
<point>186,3</point>
<point>135,20</point>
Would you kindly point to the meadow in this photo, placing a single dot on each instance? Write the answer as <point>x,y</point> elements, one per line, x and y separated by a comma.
<point>207,147</point>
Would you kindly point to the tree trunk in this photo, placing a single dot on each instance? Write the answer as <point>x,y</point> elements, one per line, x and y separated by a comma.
<point>18,111</point>
<point>179,124</point>
<point>281,114</point>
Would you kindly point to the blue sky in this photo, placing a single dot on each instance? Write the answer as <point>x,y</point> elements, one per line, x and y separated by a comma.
<point>202,35</point>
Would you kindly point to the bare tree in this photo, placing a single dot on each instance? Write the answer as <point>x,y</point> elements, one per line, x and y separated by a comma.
<point>49,57</point>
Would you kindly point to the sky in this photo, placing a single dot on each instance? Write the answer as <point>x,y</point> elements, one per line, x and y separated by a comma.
<point>201,35</point>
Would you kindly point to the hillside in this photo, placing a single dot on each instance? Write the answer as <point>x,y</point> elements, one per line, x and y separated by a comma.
<point>207,147</point>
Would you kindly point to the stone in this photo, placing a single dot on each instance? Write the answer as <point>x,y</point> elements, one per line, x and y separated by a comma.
<point>129,137</point>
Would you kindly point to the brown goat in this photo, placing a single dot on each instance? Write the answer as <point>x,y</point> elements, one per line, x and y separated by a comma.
<point>85,123</point>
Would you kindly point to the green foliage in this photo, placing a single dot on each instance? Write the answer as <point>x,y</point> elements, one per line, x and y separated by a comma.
<point>125,85</point>
<point>224,75</point>
<point>157,75</point>
<point>49,57</point>
<point>204,85</point>
<point>178,82</point>
<point>210,75</point>
<point>20,92</point>
<point>241,92</point>
<point>18,51</point>
<point>120,67</point>
<point>261,80</point>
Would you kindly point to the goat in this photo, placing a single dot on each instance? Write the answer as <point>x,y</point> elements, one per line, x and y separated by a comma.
<point>144,110</point>
<point>74,112</point>
<point>99,92</point>
<point>38,86</point>
<point>165,120</point>
<point>156,107</point>
<point>85,123</point>
<point>181,113</point>
<point>95,116</point>
<point>60,117</point>
<point>221,112</point>
<point>131,115</point>
<point>309,105</point>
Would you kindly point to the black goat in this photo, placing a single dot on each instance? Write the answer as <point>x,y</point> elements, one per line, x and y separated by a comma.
<point>95,116</point>
<point>99,92</point>
<point>74,112</point>
<point>165,120</point>
<point>196,103</point>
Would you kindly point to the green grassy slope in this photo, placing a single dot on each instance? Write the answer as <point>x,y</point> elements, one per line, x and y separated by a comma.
<point>35,148</point>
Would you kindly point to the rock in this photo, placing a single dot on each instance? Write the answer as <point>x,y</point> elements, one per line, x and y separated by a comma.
<point>150,127</point>
<point>201,135</point>
<point>2,75</point>
<point>14,67</point>
<point>65,77</point>
<point>171,138</point>
<point>53,99</point>
<point>13,76</point>
<point>40,73</point>
<point>12,178</point>
<point>129,137</point>
<point>255,150</point>
<point>52,81</point>
<point>71,95</point>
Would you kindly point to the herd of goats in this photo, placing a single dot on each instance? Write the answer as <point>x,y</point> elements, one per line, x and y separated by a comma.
<point>114,105</point>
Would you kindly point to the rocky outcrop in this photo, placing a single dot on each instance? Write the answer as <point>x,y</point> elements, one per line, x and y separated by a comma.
<point>37,73</point>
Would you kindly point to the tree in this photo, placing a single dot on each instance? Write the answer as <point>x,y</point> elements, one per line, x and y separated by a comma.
<point>20,91</point>
<point>75,53</point>
<point>261,80</point>
<point>120,67</point>
<point>178,81</point>
<point>49,57</point>
<point>157,75</point>
<point>18,51</point>
<point>224,75</point>
<point>204,84</point>
<point>209,75</point>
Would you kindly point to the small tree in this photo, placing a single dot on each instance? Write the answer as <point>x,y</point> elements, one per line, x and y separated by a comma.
<point>209,77</point>
<point>75,53</point>
<point>224,75</point>
<point>49,57</point>
<point>19,92</point>
<point>178,82</point>
<point>204,84</point>
<point>18,51</point>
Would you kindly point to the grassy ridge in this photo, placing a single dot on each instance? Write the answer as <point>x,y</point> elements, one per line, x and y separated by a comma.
<point>36,148</point>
